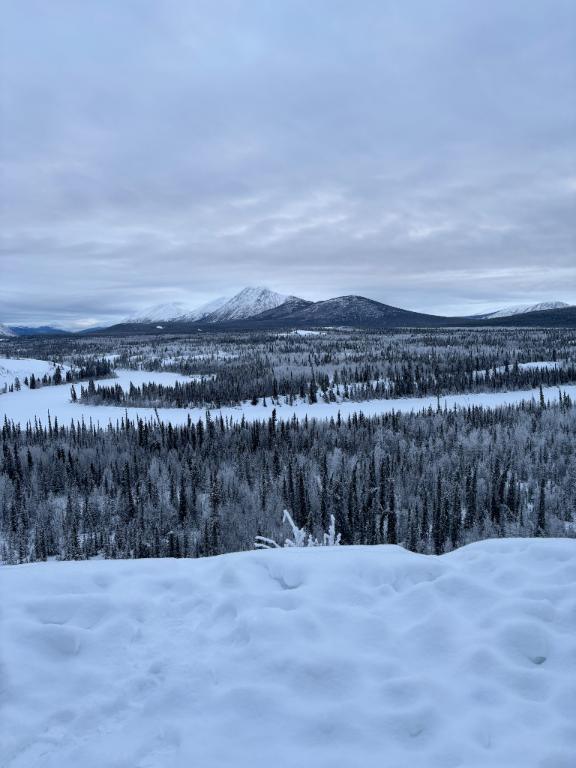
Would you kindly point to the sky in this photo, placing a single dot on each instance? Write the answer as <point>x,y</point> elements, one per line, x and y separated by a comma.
<point>419,153</point>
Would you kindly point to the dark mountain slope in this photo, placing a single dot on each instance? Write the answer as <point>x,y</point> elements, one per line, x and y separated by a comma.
<point>549,318</point>
<point>354,311</point>
<point>347,311</point>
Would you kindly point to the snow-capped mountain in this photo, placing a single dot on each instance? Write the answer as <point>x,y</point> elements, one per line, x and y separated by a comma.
<point>258,307</point>
<point>522,309</point>
<point>5,331</point>
<point>159,312</point>
<point>203,310</point>
<point>175,310</point>
<point>247,303</point>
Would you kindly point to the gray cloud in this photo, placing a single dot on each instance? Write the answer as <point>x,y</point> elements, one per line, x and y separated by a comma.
<point>419,153</point>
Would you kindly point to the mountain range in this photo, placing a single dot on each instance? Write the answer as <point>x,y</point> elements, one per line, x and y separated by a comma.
<point>262,304</point>
<point>522,309</point>
<point>258,307</point>
<point>247,303</point>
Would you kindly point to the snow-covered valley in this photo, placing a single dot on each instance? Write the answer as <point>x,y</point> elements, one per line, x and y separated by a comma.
<point>328,657</point>
<point>26,405</point>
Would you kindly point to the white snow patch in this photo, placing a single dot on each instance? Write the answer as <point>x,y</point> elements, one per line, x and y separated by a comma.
<point>534,365</point>
<point>323,658</point>
<point>125,377</point>
<point>539,365</point>
<point>302,332</point>
<point>13,368</point>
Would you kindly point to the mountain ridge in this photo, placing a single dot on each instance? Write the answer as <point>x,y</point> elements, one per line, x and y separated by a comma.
<point>521,309</point>
<point>249,302</point>
<point>346,310</point>
<point>260,308</point>
<point>246,303</point>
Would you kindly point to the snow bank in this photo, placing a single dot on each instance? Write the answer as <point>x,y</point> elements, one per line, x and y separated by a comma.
<point>321,658</point>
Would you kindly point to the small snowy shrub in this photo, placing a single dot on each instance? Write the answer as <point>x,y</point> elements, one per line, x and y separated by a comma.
<point>301,537</point>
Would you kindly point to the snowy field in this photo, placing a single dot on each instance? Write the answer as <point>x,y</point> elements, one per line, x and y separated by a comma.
<point>25,405</point>
<point>11,369</point>
<point>348,657</point>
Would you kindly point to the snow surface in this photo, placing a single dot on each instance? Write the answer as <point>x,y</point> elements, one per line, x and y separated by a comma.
<point>12,368</point>
<point>5,331</point>
<point>22,407</point>
<point>535,365</point>
<point>538,365</point>
<point>303,332</point>
<point>339,657</point>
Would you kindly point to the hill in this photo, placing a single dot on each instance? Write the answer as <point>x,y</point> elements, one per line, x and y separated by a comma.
<point>552,318</point>
<point>38,330</point>
<point>356,311</point>
<point>521,309</point>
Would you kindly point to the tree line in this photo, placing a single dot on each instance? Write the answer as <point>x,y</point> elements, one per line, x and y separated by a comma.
<point>255,381</point>
<point>88,369</point>
<point>431,482</point>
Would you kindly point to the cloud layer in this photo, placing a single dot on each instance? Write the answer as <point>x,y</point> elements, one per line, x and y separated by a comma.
<point>423,154</point>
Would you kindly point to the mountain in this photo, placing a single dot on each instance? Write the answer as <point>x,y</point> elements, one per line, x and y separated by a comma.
<point>176,311</point>
<point>248,303</point>
<point>565,317</point>
<point>159,313</point>
<point>355,311</point>
<point>40,330</point>
<point>287,311</point>
<point>521,309</point>
<point>261,308</point>
<point>203,310</point>
<point>6,331</point>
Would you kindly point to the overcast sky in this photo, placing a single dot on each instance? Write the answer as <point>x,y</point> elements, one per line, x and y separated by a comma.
<point>419,152</point>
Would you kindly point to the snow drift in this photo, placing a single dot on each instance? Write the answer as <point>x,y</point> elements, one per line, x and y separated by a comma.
<point>328,657</point>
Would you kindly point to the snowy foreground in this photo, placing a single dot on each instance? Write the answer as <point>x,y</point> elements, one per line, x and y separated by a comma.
<point>320,658</point>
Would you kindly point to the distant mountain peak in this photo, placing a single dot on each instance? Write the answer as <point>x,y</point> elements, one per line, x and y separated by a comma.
<point>203,310</point>
<point>5,331</point>
<point>248,302</point>
<point>158,312</point>
<point>351,310</point>
<point>522,309</point>
<point>175,310</point>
